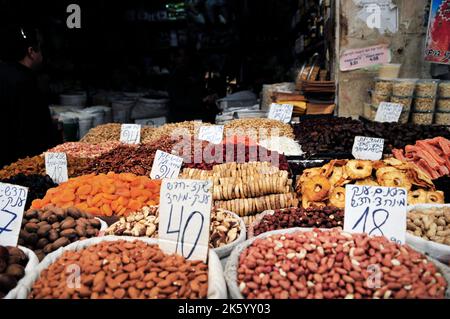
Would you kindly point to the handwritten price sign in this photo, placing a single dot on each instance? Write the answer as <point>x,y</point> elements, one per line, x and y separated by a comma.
<point>212,134</point>
<point>368,148</point>
<point>12,204</point>
<point>377,211</point>
<point>388,112</point>
<point>166,165</point>
<point>56,167</point>
<point>281,112</point>
<point>130,133</point>
<point>185,212</point>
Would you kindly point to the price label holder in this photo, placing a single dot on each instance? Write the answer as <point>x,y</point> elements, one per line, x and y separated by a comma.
<point>212,134</point>
<point>368,148</point>
<point>166,165</point>
<point>184,217</point>
<point>389,112</point>
<point>130,133</point>
<point>56,167</point>
<point>281,112</point>
<point>12,204</point>
<point>377,211</point>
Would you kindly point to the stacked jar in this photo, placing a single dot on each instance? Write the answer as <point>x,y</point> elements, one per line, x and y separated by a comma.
<point>391,90</point>
<point>442,115</point>
<point>424,102</point>
<point>402,93</point>
<point>381,93</point>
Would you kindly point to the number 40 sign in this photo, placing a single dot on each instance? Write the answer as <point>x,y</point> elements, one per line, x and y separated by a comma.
<point>184,217</point>
<point>377,211</point>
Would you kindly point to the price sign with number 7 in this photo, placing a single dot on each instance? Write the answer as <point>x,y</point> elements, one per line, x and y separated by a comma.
<point>12,204</point>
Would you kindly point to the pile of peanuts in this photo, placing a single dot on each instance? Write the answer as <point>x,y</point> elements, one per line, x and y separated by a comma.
<point>430,224</point>
<point>258,128</point>
<point>224,228</point>
<point>122,269</point>
<point>334,264</point>
<point>326,217</point>
<point>111,132</point>
<point>45,230</point>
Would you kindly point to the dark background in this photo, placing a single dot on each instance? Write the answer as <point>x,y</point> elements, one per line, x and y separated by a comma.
<point>116,50</point>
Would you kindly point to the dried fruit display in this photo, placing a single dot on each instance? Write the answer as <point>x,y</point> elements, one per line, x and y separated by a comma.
<point>325,185</point>
<point>334,264</point>
<point>123,270</point>
<point>104,195</point>
<point>46,230</point>
<point>432,156</point>
<point>247,188</point>
<point>326,217</point>
<point>12,268</point>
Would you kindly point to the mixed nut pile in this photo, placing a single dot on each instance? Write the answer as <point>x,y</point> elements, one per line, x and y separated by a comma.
<point>45,230</point>
<point>430,224</point>
<point>224,227</point>
<point>12,268</point>
<point>122,269</point>
<point>334,264</point>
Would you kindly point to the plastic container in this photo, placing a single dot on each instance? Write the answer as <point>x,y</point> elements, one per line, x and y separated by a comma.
<point>444,89</point>
<point>389,70</point>
<point>426,88</point>
<point>443,105</point>
<point>403,87</point>
<point>121,110</point>
<point>422,118</point>
<point>76,99</point>
<point>404,116</point>
<point>406,101</point>
<point>378,98</point>
<point>383,86</point>
<point>442,118</point>
<point>149,108</point>
<point>424,104</point>
<point>98,113</point>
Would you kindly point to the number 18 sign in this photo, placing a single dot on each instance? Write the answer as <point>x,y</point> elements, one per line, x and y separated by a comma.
<point>184,217</point>
<point>377,211</point>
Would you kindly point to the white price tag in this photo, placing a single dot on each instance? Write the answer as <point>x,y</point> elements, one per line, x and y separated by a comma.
<point>130,133</point>
<point>377,211</point>
<point>165,165</point>
<point>184,217</point>
<point>388,112</point>
<point>212,134</point>
<point>368,148</point>
<point>56,167</point>
<point>12,204</point>
<point>281,112</point>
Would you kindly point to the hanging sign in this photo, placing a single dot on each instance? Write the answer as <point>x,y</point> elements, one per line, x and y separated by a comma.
<point>437,48</point>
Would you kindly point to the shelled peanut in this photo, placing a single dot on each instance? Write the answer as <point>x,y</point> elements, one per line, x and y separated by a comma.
<point>123,270</point>
<point>430,224</point>
<point>334,264</point>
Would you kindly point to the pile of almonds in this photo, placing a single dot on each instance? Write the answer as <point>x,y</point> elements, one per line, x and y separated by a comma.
<point>224,227</point>
<point>122,269</point>
<point>326,217</point>
<point>48,229</point>
<point>430,224</point>
<point>334,264</point>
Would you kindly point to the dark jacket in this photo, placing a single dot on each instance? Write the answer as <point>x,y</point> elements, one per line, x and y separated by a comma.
<point>26,127</point>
